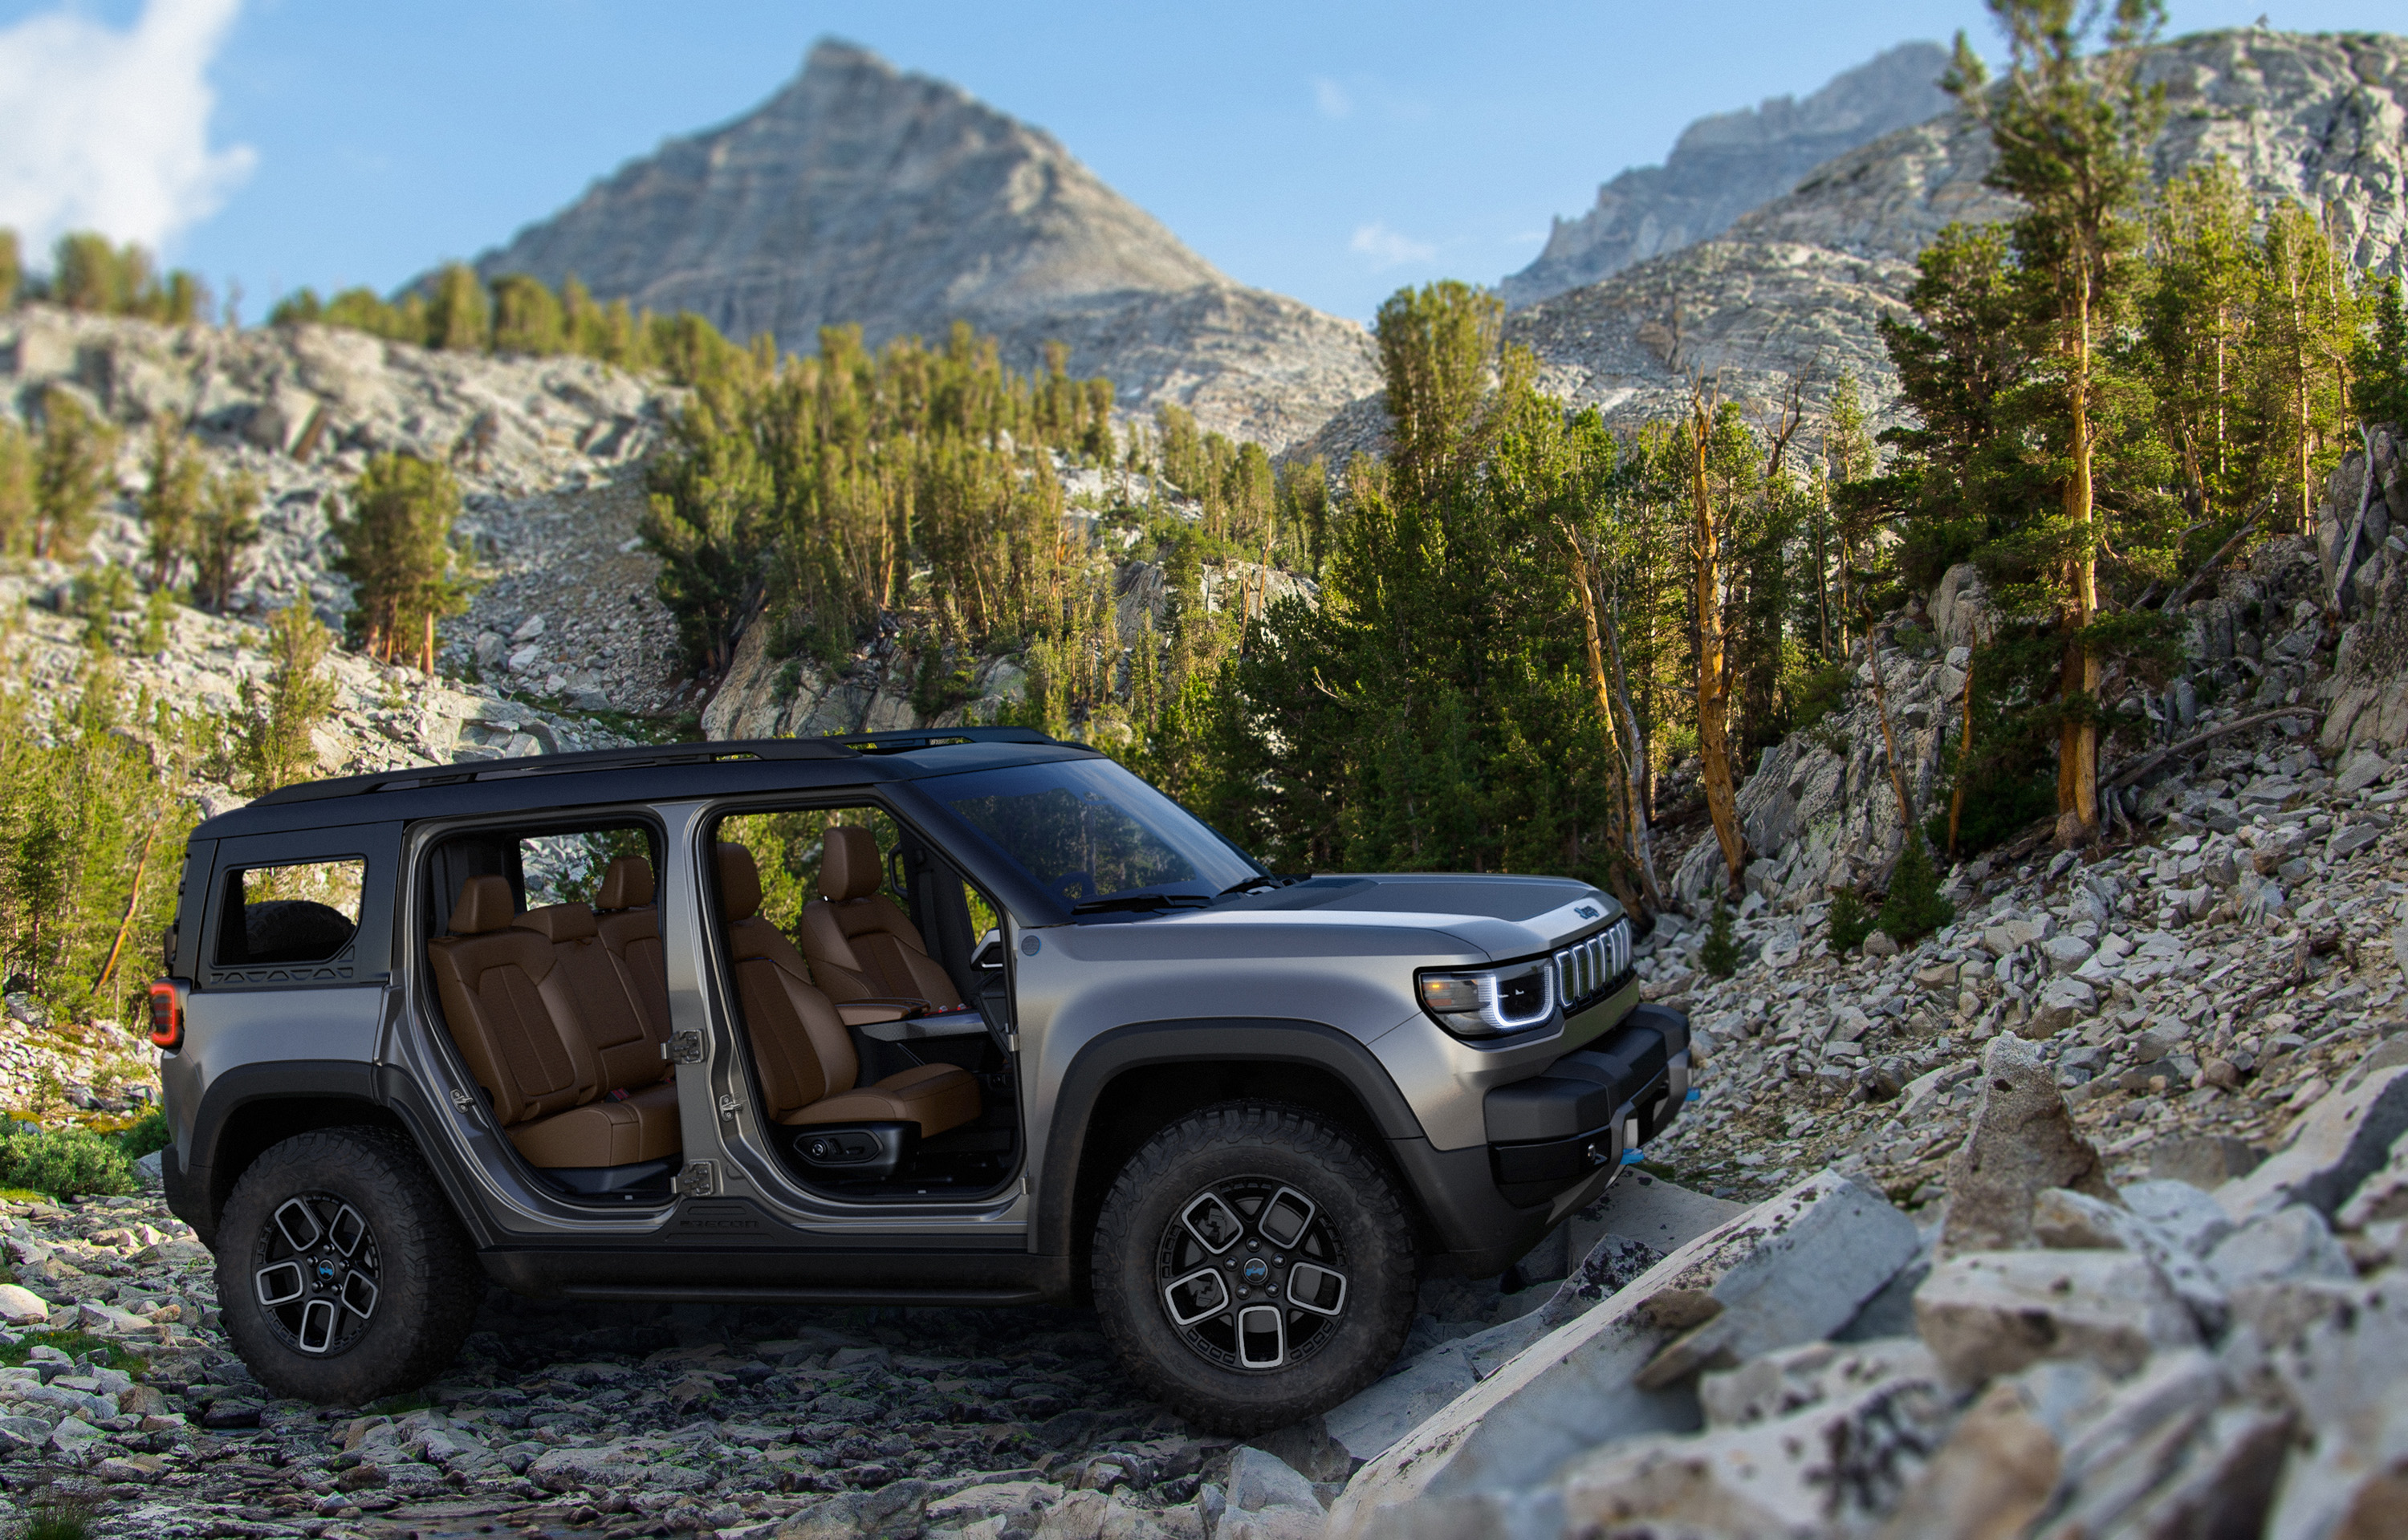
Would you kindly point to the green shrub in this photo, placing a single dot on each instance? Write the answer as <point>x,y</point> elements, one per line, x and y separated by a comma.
<point>146,1134</point>
<point>48,1522</point>
<point>1816,693</point>
<point>1850,920</point>
<point>113,1355</point>
<point>1719,956</point>
<point>64,1162</point>
<point>1914,907</point>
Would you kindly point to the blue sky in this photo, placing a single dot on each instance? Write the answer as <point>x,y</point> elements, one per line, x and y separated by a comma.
<point>1332,153</point>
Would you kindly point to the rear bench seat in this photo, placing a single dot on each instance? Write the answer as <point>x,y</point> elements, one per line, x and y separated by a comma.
<point>552,1028</point>
<point>630,926</point>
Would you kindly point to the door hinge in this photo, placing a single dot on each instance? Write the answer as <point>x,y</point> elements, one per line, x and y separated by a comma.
<point>1012,1042</point>
<point>684,1048</point>
<point>727,1103</point>
<point>698,1180</point>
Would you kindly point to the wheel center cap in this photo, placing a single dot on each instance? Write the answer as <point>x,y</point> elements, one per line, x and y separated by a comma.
<point>1255,1271</point>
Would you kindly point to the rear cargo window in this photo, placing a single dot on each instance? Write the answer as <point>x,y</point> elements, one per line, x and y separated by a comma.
<point>303,912</point>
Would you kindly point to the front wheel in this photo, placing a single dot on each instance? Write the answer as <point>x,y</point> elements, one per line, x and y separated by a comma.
<point>1252,1266</point>
<point>342,1275</point>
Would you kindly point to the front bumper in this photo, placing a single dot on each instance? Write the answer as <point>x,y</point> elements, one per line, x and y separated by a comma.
<point>1554,1142</point>
<point>1589,1108</point>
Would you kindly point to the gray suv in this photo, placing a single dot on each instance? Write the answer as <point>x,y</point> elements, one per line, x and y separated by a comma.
<point>965,1017</point>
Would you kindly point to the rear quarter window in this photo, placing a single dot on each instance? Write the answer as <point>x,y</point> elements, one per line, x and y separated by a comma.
<point>299,912</point>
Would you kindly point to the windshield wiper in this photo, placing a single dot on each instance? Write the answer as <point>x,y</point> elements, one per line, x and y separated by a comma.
<point>1137,901</point>
<point>1271,879</point>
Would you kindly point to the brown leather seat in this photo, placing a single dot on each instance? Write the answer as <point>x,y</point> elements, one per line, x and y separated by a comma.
<point>860,946</point>
<point>802,1049</point>
<point>538,1024</point>
<point>630,926</point>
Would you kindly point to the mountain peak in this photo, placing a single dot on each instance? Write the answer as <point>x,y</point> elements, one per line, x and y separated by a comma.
<point>861,194</point>
<point>1724,165</point>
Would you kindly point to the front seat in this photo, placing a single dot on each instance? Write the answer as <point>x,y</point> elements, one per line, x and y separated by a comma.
<point>803,1054</point>
<point>860,946</point>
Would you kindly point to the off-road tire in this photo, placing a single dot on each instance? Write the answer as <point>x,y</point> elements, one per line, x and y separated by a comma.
<point>428,1280</point>
<point>1236,1143</point>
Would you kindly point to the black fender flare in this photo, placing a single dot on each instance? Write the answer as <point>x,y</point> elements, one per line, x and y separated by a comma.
<point>1196,1040</point>
<point>243,1087</point>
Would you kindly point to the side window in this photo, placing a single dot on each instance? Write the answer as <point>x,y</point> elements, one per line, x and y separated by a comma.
<point>569,868</point>
<point>786,847</point>
<point>276,916</point>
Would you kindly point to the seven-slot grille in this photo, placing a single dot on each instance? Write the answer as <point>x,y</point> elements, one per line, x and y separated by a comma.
<point>1589,968</point>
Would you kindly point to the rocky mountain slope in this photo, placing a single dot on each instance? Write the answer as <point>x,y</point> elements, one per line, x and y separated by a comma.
<point>564,638</point>
<point>1724,165</point>
<point>863,194</point>
<point>1796,285</point>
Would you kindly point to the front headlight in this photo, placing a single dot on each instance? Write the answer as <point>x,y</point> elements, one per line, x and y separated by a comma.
<point>1491,1001</point>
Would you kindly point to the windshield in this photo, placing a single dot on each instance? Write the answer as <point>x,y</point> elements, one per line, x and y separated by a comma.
<point>1087,830</point>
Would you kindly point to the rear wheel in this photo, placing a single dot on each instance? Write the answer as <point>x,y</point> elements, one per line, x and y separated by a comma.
<point>1253,1265</point>
<point>342,1275</point>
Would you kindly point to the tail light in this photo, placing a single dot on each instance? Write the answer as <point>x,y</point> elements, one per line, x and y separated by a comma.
<point>167,1014</point>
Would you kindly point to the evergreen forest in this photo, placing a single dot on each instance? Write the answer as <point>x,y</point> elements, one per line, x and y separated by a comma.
<point>1517,640</point>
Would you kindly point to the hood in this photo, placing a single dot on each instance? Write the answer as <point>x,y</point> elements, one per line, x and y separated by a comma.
<point>1443,915</point>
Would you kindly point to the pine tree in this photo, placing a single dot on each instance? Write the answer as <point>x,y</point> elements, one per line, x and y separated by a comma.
<point>1714,670</point>
<point>1719,954</point>
<point>1438,345</point>
<point>1914,907</point>
<point>158,621</point>
<point>88,274</point>
<point>16,489</point>
<point>12,269</point>
<point>273,725</point>
<point>2382,365</point>
<point>2306,325</point>
<point>458,318</point>
<point>527,318</point>
<point>176,491</point>
<point>223,531</point>
<point>583,326</point>
<point>2195,317</point>
<point>2069,134</point>
<point>1849,923</point>
<point>397,551</point>
<point>72,473</point>
<point>706,519</point>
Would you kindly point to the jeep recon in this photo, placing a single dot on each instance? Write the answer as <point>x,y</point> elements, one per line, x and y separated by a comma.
<point>953,1017</point>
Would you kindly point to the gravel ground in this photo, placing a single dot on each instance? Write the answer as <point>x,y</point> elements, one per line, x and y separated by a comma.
<point>591,1420</point>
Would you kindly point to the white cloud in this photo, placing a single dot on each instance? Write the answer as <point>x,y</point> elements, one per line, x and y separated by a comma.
<point>108,130</point>
<point>1331,98</point>
<point>1388,248</point>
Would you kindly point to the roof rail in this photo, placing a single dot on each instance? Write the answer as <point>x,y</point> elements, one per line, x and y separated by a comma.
<point>633,758</point>
<point>903,740</point>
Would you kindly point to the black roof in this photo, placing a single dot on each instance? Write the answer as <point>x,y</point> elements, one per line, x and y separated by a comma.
<point>637,774</point>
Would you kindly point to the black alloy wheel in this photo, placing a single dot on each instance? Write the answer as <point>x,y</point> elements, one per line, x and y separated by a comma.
<point>1253,1264</point>
<point>1253,1274</point>
<point>314,1272</point>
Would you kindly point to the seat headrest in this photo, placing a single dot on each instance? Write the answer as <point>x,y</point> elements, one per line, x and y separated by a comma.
<point>486,904</point>
<point>740,883</point>
<point>627,884</point>
<point>558,923</point>
<point>847,864</point>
